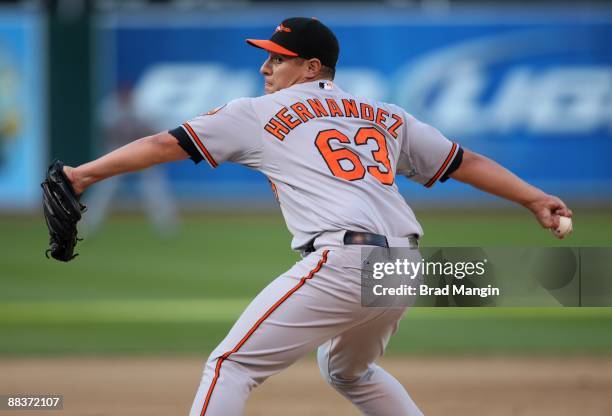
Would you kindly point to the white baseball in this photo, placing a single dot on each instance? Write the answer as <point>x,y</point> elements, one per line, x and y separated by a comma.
<point>564,228</point>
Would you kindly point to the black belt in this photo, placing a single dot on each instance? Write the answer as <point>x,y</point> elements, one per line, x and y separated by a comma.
<point>365,239</point>
<point>357,238</point>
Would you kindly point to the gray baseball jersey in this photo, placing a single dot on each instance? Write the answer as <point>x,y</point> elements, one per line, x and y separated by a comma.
<point>331,157</point>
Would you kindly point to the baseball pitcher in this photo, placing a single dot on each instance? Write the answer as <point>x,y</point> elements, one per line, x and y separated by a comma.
<point>332,159</point>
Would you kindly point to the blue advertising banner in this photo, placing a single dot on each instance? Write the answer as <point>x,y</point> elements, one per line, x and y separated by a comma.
<point>22,119</point>
<point>530,89</point>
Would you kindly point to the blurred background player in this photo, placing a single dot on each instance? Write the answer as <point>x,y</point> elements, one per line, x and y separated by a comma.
<point>121,122</point>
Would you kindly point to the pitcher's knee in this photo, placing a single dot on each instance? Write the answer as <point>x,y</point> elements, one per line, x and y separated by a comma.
<point>340,377</point>
<point>232,371</point>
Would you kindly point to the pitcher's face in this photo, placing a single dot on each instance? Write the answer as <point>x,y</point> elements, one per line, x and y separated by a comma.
<point>281,71</point>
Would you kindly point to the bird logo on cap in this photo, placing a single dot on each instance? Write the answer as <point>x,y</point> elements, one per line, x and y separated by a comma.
<point>282,28</point>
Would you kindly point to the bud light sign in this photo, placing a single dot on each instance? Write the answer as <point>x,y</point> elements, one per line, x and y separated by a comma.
<point>532,90</point>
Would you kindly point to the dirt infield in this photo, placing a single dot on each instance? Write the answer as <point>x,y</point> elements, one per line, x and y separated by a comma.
<point>441,386</point>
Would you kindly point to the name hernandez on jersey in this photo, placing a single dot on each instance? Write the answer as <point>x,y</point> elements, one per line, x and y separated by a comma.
<point>289,117</point>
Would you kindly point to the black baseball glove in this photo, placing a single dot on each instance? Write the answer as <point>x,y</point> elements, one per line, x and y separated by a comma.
<point>62,212</point>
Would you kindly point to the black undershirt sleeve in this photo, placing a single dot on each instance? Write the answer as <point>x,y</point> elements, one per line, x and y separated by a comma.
<point>187,145</point>
<point>453,166</point>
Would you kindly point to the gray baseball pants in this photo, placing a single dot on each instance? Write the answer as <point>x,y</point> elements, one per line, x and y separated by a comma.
<point>317,303</point>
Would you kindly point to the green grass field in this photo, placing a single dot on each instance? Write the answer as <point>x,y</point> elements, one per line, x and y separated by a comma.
<point>131,292</point>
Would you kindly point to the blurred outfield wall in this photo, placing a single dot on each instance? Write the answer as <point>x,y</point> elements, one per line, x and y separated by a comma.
<point>531,88</point>
<point>23,139</point>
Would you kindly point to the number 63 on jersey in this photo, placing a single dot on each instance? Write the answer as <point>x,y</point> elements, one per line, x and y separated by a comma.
<point>382,171</point>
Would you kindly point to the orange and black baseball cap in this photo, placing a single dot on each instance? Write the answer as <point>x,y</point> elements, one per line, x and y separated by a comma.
<point>304,37</point>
